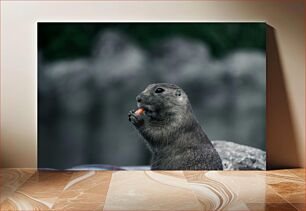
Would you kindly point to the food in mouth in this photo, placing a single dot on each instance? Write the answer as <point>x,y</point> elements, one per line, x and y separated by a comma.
<point>139,111</point>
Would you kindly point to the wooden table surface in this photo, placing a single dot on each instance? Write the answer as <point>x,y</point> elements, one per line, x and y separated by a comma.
<point>29,189</point>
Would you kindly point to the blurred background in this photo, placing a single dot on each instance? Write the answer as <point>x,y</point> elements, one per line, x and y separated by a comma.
<point>90,73</point>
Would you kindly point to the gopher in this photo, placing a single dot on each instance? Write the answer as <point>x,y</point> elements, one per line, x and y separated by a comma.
<point>165,120</point>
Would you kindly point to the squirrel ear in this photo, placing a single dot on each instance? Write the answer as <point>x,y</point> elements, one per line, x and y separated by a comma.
<point>178,92</point>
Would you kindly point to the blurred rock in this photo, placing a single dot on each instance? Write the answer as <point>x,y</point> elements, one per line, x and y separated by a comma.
<point>116,58</point>
<point>240,157</point>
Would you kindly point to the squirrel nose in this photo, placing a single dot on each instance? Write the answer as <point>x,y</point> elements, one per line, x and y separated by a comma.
<point>139,99</point>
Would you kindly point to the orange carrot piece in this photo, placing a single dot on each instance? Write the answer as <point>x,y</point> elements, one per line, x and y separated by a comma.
<point>139,111</point>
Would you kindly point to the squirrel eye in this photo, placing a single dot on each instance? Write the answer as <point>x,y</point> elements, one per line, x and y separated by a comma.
<point>159,90</point>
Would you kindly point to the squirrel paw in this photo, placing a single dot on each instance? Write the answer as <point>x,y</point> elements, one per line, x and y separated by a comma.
<point>135,119</point>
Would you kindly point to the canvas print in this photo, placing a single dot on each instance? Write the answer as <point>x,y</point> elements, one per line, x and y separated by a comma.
<point>159,96</point>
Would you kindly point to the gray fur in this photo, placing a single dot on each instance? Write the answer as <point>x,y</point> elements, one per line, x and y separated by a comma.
<point>171,131</point>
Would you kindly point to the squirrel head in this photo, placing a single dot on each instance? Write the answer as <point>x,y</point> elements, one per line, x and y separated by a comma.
<point>163,100</point>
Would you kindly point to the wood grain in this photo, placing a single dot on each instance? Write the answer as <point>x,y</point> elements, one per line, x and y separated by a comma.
<point>30,189</point>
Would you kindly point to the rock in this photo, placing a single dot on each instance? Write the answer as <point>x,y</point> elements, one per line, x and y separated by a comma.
<point>240,157</point>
